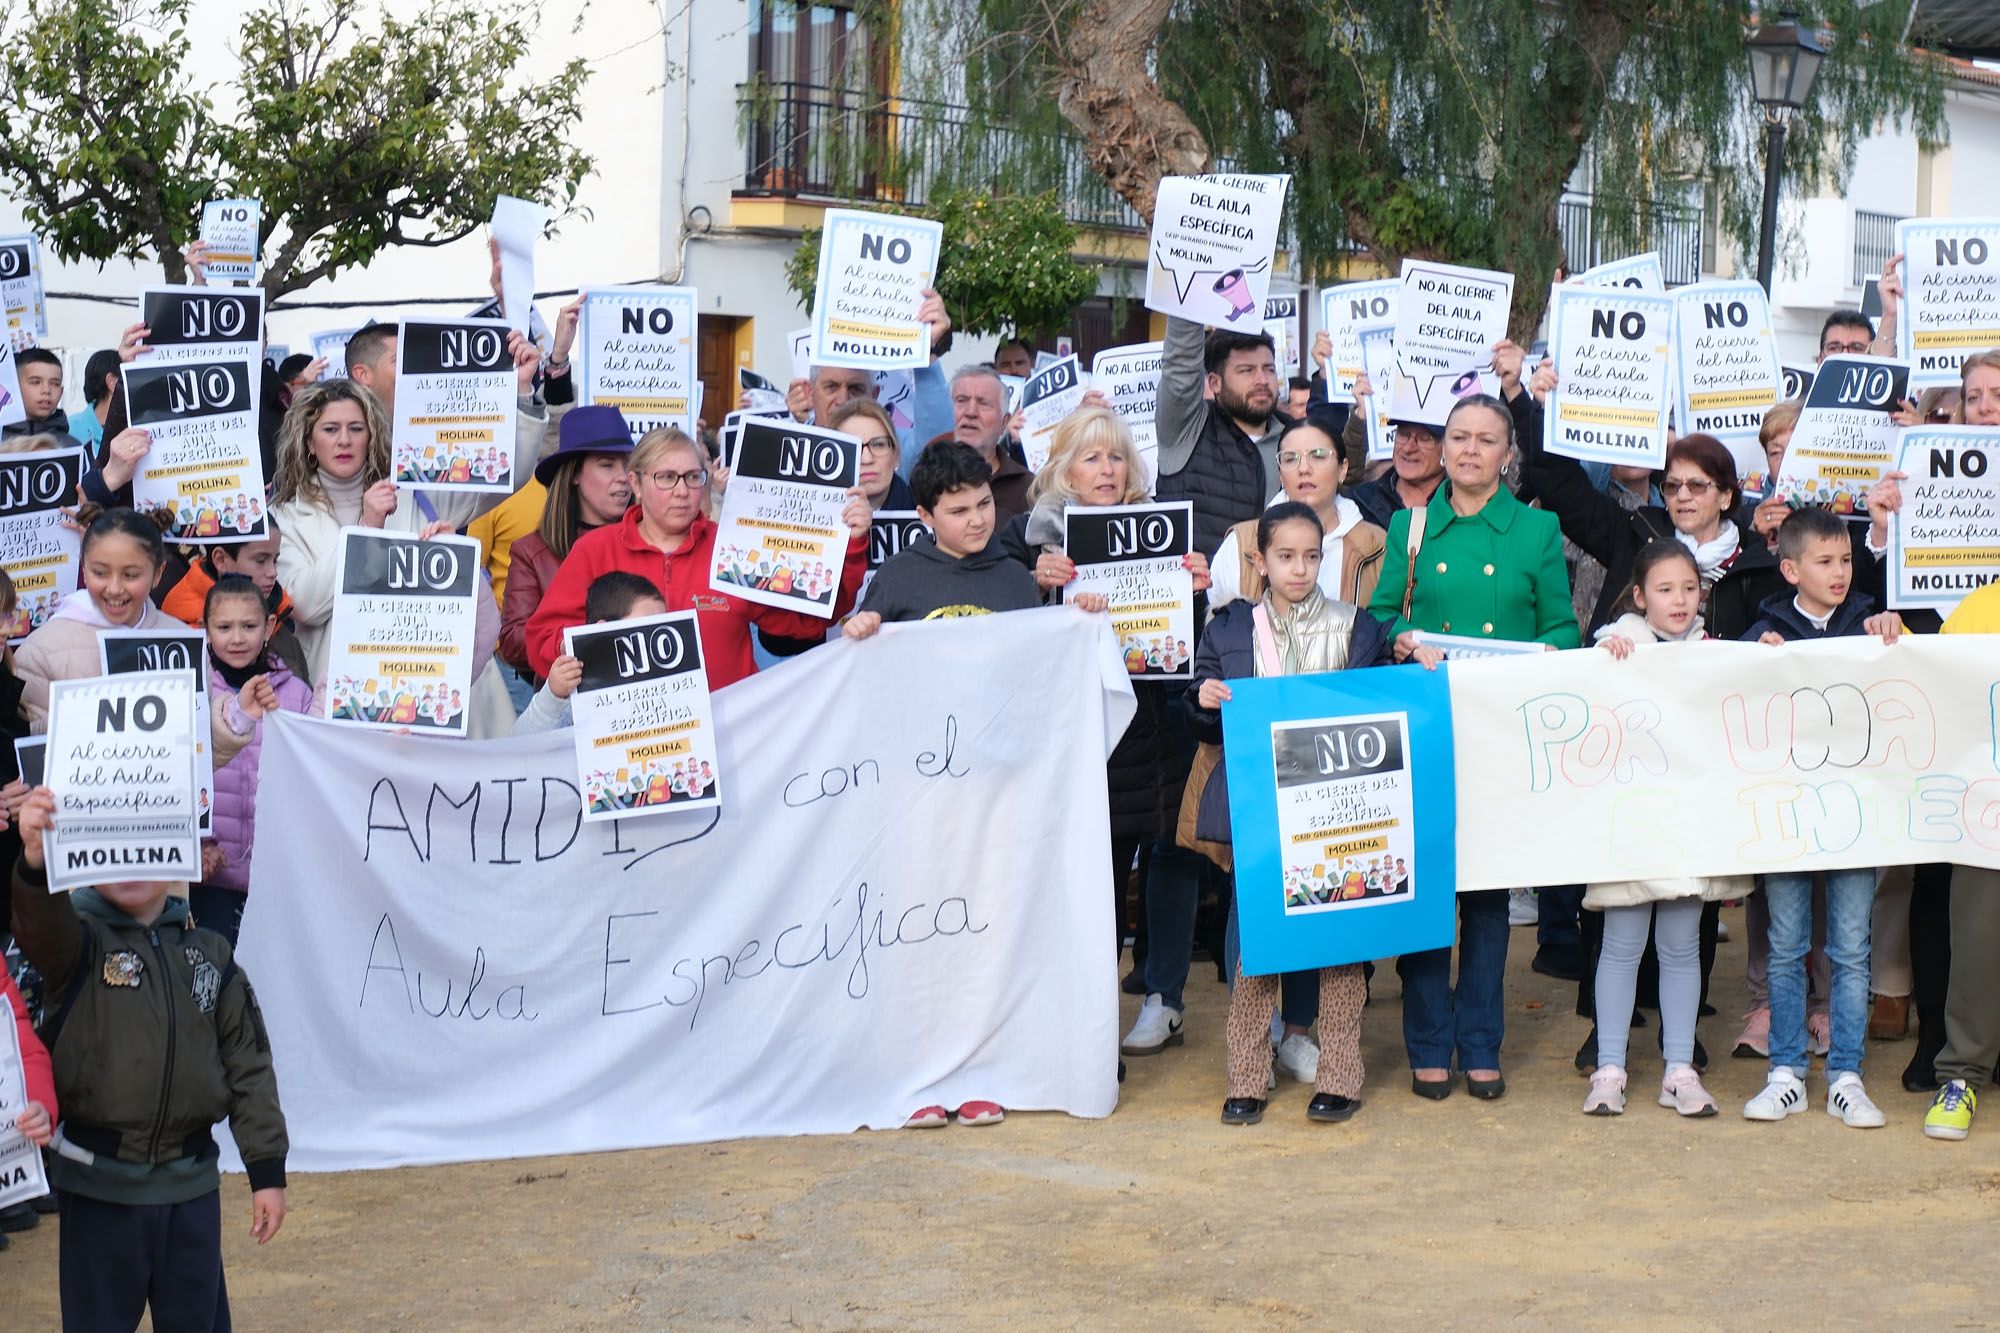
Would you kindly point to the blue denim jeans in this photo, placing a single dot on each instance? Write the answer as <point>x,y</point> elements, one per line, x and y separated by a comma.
<point>1298,992</point>
<point>1438,1018</point>
<point>1173,888</point>
<point>1850,906</point>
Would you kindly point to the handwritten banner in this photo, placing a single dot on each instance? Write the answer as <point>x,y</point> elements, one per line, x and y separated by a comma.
<point>1447,320</point>
<point>1132,555</point>
<point>404,617</point>
<point>454,427</point>
<point>120,761</point>
<point>780,539</point>
<point>1211,247</point>
<point>873,271</point>
<point>1846,437</point>
<point>205,465</point>
<point>1945,541</point>
<point>1727,365</point>
<point>645,734</point>
<point>1610,400</point>
<point>37,547</point>
<point>770,967</point>
<point>1343,312</point>
<point>638,355</point>
<point>1951,295</point>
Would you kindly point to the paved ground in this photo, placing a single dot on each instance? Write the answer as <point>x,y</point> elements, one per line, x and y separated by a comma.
<point>1520,1212</point>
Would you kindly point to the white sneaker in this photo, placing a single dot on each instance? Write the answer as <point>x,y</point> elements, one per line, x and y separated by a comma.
<point>1847,1100</point>
<point>1607,1092</point>
<point>1783,1095</point>
<point>1521,909</point>
<point>1681,1091</point>
<point>1298,1055</point>
<point>1156,1028</point>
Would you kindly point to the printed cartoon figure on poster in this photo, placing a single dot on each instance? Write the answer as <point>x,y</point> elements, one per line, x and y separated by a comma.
<point>1344,813</point>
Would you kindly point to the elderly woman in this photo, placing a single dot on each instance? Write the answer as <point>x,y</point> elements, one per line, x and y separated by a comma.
<point>1474,561</point>
<point>1092,461</point>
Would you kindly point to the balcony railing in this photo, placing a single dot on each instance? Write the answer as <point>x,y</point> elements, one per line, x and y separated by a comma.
<point>1598,229</point>
<point>1874,243</point>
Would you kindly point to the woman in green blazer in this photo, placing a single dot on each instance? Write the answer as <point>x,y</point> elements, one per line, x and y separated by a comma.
<point>1486,566</point>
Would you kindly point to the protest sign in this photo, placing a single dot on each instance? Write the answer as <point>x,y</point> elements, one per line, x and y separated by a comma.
<point>1281,321</point>
<point>517,224</point>
<point>231,228</point>
<point>1343,312</point>
<point>1795,382</point>
<point>638,355</point>
<point>120,761</point>
<point>1133,555</point>
<point>186,325</point>
<point>454,425</point>
<point>13,411</point>
<point>732,429</point>
<point>1465,647</point>
<point>123,652</point>
<point>799,345</point>
<point>37,548</point>
<point>1638,273</point>
<point>1846,436</point>
<point>1129,379</point>
<point>1447,320</point>
<point>1945,540</point>
<point>1341,803</point>
<point>1727,366</point>
<point>1049,396</point>
<point>404,616</point>
<point>1211,247</point>
<point>21,290</point>
<point>21,1175</point>
<point>873,271</point>
<point>780,538</point>
<point>769,967</point>
<point>645,733</point>
<point>1951,295</point>
<point>890,531</point>
<point>205,464</point>
<point>330,346</point>
<point>1378,356</point>
<point>760,393</point>
<point>1610,401</point>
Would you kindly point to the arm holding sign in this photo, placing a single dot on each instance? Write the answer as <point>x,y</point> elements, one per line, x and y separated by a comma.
<point>45,923</point>
<point>1180,409</point>
<point>38,1121</point>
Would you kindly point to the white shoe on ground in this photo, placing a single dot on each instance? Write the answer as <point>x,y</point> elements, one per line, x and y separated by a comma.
<point>1783,1095</point>
<point>1298,1055</point>
<point>1156,1028</point>
<point>1848,1102</point>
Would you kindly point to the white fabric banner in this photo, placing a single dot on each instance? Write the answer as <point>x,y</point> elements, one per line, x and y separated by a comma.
<point>1725,759</point>
<point>901,905</point>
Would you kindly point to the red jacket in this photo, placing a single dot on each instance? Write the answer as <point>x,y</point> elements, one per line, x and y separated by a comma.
<point>682,579</point>
<point>34,1055</point>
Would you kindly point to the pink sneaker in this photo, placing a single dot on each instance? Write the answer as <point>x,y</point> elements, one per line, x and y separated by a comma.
<point>1607,1092</point>
<point>931,1117</point>
<point>1681,1091</point>
<point>1819,1033</point>
<point>981,1113</point>
<point>1754,1042</point>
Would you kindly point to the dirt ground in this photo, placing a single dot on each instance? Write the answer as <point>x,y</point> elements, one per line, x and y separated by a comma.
<point>1521,1212</point>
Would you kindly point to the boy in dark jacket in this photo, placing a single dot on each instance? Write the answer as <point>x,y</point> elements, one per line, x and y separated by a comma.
<point>156,1037</point>
<point>1817,559</point>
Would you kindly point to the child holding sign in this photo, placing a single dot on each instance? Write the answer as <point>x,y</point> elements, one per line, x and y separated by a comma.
<point>614,596</point>
<point>1293,629</point>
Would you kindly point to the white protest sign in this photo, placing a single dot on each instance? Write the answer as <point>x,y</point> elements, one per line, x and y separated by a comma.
<point>1951,295</point>
<point>517,224</point>
<point>13,410</point>
<point>645,732</point>
<point>120,761</point>
<point>123,652</point>
<point>732,429</point>
<point>1945,540</point>
<point>1046,400</point>
<point>186,325</point>
<point>780,539</point>
<point>873,271</point>
<point>330,346</point>
<point>21,290</point>
<point>454,427</point>
<point>38,548</point>
<point>771,967</point>
<point>1466,647</point>
<point>1726,364</point>
<point>1209,255</point>
<point>1447,320</point>
<point>1281,321</point>
<point>205,464</point>
<point>1129,379</point>
<point>231,227</point>
<point>1347,837</point>
<point>760,392</point>
<point>799,344</point>
<point>1343,312</point>
<point>637,353</point>
<point>1378,356</point>
<point>404,616</point>
<point>1846,436</point>
<point>1639,273</point>
<point>1133,554</point>
<point>1611,351</point>
<point>1814,756</point>
<point>21,1175</point>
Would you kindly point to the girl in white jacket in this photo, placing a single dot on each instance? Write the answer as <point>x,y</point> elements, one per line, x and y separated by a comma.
<point>1665,598</point>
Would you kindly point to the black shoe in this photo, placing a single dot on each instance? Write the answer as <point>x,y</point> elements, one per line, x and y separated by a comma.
<point>1705,1010</point>
<point>1121,1071</point>
<point>1564,962</point>
<point>3,1242</point>
<point>1700,1051</point>
<point>1242,1110</point>
<point>1486,1089</point>
<point>1435,1092</point>
<point>1921,1074</point>
<point>46,1205</point>
<point>1586,1054</point>
<point>19,1218</point>
<point>1135,982</point>
<point>1331,1108</point>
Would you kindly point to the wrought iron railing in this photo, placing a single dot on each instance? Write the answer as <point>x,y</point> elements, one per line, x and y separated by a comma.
<point>1597,229</point>
<point>1874,243</point>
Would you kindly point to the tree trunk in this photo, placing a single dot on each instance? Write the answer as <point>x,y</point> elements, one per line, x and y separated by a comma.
<point>1133,134</point>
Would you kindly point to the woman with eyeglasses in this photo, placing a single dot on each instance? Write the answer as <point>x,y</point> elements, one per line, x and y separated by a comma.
<point>667,539</point>
<point>881,454</point>
<point>1312,468</point>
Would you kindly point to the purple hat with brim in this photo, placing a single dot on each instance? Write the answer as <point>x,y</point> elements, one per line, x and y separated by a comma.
<point>587,430</point>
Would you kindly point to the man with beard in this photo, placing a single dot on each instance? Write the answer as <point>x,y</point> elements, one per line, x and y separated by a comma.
<point>1218,424</point>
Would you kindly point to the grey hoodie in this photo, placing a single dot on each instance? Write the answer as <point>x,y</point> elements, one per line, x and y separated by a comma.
<point>923,583</point>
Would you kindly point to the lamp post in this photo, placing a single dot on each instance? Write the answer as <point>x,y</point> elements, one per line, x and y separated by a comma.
<point>1784,59</point>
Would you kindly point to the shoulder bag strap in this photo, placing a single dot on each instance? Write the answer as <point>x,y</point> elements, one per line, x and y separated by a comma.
<point>1267,642</point>
<point>1415,543</point>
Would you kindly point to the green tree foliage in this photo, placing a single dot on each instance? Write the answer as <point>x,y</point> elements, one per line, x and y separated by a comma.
<point>1004,264</point>
<point>353,138</point>
<point>1434,128</point>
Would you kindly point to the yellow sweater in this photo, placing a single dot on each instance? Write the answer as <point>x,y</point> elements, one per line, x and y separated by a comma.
<point>501,526</point>
<point>1979,613</point>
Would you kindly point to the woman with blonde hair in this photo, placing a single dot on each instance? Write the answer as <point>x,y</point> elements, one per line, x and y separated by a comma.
<point>881,452</point>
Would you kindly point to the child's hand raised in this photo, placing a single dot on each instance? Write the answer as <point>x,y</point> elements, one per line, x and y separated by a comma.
<point>267,1214</point>
<point>35,1125</point>
<point>257,698</point>
<point>1096,603</point>
<point>862,625</point>
<point>565,674</point>
<point>1887,624</point>
<point>1212,694</point>
<point>1617,645</point>
<point>38,815</point>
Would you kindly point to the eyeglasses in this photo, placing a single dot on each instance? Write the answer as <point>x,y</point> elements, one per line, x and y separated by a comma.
<point>1293,457</point>
<point>878,445</point>
<point>1836,348</point>
<point>673,481</point>
<point>1696,486</point>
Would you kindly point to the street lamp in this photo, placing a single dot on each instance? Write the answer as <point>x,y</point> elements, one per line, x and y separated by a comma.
<point>1784,58</point>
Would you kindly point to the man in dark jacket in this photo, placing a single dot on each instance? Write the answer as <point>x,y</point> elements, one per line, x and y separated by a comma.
<point>1218,424</point>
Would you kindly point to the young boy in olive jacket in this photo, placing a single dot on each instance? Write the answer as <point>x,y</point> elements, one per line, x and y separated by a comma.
<point>156,1037</point>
